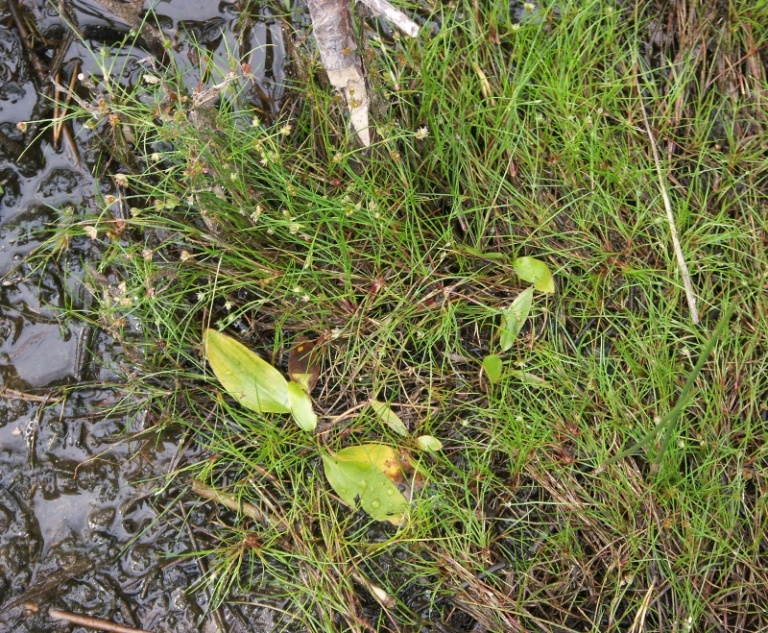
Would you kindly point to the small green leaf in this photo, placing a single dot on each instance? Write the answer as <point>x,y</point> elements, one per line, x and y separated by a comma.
<point>389,417</point>
<point>429,444</point>
<point>244,375</point>
<point>513,318</point>
<point>535,271</point>
<point>359,475</point>
<point>493,367</point>
<point>301,407</point>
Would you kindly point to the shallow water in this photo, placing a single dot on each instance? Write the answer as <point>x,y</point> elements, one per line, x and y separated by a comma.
<point>77,506</point>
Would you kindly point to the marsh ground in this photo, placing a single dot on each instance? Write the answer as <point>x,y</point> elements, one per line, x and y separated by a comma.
<point>502,131</point>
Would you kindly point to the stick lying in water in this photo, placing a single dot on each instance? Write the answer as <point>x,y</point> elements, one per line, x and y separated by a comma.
<point>88,621</point>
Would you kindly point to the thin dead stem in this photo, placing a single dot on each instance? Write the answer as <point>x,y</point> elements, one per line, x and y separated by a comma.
<point>685,274</point>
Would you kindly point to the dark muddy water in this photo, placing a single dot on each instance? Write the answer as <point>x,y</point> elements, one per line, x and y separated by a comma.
<point>78,507</point>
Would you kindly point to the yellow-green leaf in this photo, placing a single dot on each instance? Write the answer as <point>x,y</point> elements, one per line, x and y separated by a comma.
<point>244,375</point>
<point>359,476</point>
<point>535,271</point>
<point>301,406</point>
<point>389,417</point>
<point>429,443</point>
<point>493,367</point>
<point>384,458</point>
<point>513,318</point>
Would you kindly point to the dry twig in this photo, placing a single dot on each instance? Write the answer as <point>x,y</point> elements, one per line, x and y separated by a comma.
<point>93,623</point>
<point>231,502</point>
<point>687,285</point>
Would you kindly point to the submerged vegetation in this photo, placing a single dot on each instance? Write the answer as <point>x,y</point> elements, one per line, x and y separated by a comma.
<point>505,138</point>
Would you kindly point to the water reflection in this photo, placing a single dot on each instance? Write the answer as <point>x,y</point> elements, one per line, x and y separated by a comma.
<point>77,506</point>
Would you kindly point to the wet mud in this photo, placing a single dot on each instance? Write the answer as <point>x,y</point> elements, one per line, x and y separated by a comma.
<point>79,523</point>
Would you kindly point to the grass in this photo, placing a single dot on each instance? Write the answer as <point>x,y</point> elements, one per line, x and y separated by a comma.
<point>399,259</point>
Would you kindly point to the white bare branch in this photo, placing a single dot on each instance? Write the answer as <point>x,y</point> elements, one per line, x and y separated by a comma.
<point>394,15</point>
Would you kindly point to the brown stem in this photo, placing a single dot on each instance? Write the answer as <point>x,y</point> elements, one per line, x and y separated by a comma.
<point>93,623</point>
<point>233,503</point>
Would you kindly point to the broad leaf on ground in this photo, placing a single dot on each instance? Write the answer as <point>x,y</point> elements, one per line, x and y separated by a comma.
<point>363,475</point>
<point>536,272</point>
<point>255,383</point>
<point>513,318</point>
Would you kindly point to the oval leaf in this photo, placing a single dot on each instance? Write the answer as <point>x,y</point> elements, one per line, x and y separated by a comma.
<point>244,375</point>
<point>429,444</point>
<point>513,318</point>
<point>535,271</point>
<point>358,475</point>
<point>493,367</point>
<point>301,407</point>
<point>304,364</point>
<point>384,458</point>
<point>389,417</point>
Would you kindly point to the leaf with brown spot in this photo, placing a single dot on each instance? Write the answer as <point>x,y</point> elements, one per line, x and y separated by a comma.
<point>361,476</point>
<point>304,364</point>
